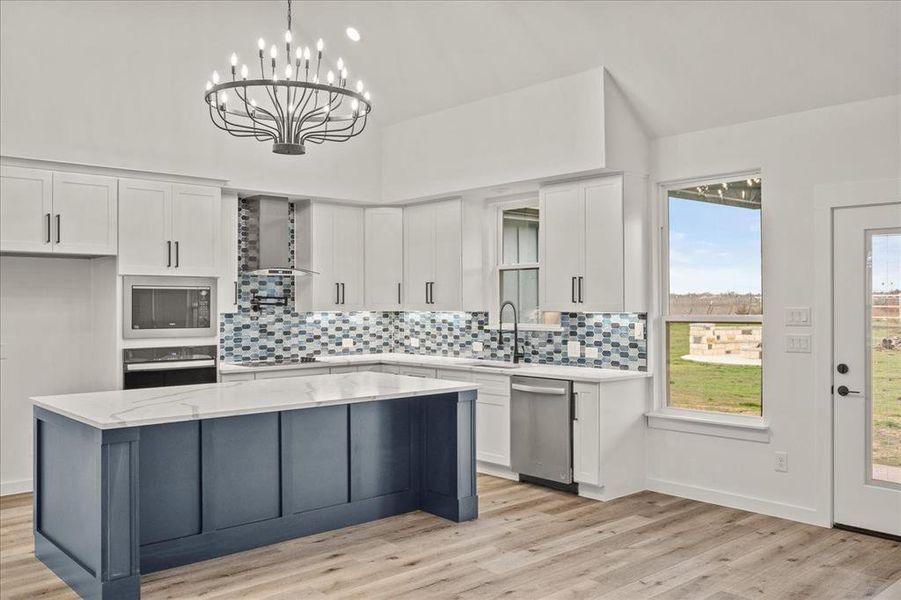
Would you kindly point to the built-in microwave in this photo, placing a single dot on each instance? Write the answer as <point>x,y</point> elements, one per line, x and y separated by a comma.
<point>163,307</point>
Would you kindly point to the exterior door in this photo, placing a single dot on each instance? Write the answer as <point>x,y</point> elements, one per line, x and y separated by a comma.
<point>867,367</point>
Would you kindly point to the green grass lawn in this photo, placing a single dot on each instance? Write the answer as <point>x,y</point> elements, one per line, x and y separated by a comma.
<point>699,386</point>
<point>736,389</point>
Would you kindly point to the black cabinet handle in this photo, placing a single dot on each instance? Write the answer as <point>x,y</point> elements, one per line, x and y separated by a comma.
<point>48,228</point>
<point>57,227</point>
<point>176,254</point>
<point>342,293</point>
<point>430,286</point>
<point>426,292</point>
<point>169,253</point>
<point>580,289</point>
<point>398,292</point>
<point>236,292</point>
<point>572,290</point>
<point>337,293</point>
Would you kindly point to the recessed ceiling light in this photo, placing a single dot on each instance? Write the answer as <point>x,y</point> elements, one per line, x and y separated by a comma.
<point>353,34</point>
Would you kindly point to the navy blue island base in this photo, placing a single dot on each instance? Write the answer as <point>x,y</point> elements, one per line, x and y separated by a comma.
<point>110,504</point>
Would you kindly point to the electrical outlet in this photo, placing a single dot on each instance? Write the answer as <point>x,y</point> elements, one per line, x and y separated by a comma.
<point>477,346</point>
<point>414,342</point>
<point>591,352</point>
<point>574,349</point>
<point>782,462</point>
<point>347,343</point>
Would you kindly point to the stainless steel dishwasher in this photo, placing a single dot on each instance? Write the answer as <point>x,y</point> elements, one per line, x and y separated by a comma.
<point>541,430</point>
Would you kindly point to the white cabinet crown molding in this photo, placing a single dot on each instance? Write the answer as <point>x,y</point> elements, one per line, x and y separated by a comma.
<point>109,171</point>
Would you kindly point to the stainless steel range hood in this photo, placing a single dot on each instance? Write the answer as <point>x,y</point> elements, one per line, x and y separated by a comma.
<point>267,237</point>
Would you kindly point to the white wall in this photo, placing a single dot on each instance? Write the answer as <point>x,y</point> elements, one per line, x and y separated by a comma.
<point>795,153</point>
<point>121,84</point>
<point>550,129</point>
<point>47,346</point>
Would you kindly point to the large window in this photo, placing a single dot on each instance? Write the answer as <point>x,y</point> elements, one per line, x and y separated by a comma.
<point>713,310</point>
<point>518,264</point>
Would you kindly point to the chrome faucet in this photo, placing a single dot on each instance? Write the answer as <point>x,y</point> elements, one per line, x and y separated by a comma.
<point>500,337</point>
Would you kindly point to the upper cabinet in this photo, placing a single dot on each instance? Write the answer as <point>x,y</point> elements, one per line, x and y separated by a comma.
<point>384,258</point>
<point>329,240</point>
<point>433,264</point>
<point>581,246</point>
<point>168,229</point>
<point>67,213</point>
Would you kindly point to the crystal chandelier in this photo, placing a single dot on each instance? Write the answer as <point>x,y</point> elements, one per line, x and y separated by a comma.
<point>290,104</point>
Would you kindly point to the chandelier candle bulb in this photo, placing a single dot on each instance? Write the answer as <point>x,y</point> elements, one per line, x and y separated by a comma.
<point>215,77</point>
<point>340,64</point>
<point>330,77</point>
<point>244,72</point>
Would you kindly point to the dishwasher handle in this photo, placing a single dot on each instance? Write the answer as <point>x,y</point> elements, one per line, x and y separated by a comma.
<point>536,389</point>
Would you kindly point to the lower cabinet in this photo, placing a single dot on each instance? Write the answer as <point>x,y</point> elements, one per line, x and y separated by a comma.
<point>416,371</point>
<point>586,434</point>
<point>493,419</point>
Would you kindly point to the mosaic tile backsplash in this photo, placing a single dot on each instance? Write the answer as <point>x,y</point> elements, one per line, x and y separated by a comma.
<point>279,332</point>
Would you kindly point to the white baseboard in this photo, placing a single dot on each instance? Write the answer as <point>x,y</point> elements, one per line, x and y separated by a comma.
<point>782,510</point>
<point>496,471</point>
<point>8,488</point>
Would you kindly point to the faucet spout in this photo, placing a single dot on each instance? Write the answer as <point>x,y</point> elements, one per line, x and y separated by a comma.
<point>516,353</point>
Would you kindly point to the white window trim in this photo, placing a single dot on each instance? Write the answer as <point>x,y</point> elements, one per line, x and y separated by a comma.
<point>719,424</point>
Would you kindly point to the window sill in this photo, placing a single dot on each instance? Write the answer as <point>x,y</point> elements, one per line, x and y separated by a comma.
<point>738,427</point>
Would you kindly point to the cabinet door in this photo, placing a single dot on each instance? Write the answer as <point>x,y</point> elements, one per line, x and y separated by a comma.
<point>419,255</point>
<point>85,214</point>
<point>493,429</point>
<point>195,230</point>
<point>447,283</point>
<point>416,372</point>
<point>347,248</point>
<point>586,434</point>
<point>144,227</point>
<point>384,258</point>
<point>561,246</point>
<point>284,373</point>
<point>603,271</point>
<point>25,207</point>
<point>228,258</point>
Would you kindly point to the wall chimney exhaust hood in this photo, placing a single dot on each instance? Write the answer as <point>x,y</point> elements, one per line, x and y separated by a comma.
<point>267,237</point>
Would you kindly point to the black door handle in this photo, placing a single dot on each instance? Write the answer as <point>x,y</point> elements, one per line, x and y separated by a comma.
<point>57,227</point>
<point>398,292</point>
<point>844,391</point>
<point>580,289</point>
<point>431,292</point>
<point>169,253</point>
<point>176,254</point>
<point>572,291</point>
<point>337,293</point>
<point>342,293</point>
<point>48,228</point>
<point>236,292</point>
<point>426,292</point>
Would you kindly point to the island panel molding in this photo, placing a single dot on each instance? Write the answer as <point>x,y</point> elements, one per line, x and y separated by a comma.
<point>111,504</point>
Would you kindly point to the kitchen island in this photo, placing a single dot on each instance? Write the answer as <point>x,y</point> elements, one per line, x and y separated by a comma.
<point>131,482</point>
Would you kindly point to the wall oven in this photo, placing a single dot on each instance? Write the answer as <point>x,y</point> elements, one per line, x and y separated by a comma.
<point>163,307</point>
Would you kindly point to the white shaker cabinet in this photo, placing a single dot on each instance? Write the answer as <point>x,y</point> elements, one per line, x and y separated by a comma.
<point>433,266</point>
<point>167,229</point>
<point>54,212</point>
<point>329,240</point>
<point>384,258</point>
<point>227,296</point>
<point>581,246</point>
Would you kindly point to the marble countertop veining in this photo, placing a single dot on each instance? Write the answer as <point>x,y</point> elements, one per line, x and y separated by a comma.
<point>152,406</point>
<point>449,362</point>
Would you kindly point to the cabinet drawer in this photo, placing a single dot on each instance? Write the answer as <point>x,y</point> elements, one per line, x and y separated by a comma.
<point>454,375</point>
<point>334,370</point>
<point>229,377</point>
<point>290,373</point>
<point>492,384</point>
<point>416,371</point>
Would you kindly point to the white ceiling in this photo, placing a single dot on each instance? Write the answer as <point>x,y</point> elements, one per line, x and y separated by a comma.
<point>684,65</point>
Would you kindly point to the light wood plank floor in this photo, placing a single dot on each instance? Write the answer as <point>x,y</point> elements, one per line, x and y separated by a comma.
<point>529,542</point>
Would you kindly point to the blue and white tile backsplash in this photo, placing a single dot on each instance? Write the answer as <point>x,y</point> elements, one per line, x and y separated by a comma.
<point>279,332</point>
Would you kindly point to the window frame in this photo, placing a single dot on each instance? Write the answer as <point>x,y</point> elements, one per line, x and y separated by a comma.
<point>664,416</point>
<point>529,201</point>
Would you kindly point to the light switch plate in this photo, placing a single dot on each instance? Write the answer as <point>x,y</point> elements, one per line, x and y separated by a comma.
<point>347,343</point>
<point>414,342</point>
<point>798,343</point>
<point>591,352</point>
<point>574,349</point>
<point>798,316</point>
<point>477,346</point>
<point>639,330</point>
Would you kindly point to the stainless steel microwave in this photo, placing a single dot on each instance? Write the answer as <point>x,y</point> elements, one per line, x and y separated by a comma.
<point>164,307</point>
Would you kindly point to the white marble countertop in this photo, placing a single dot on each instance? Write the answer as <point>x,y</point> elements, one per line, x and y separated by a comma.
<point>152,406</point>
<point>449,362</point>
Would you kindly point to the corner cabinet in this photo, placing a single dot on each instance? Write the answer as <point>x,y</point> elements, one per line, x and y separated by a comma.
<point>581,246</point>
<point>168,229</point>
<point>44,212</point>
<point>384,258</point>
<point>433,256</point>
<point>329,240</point>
